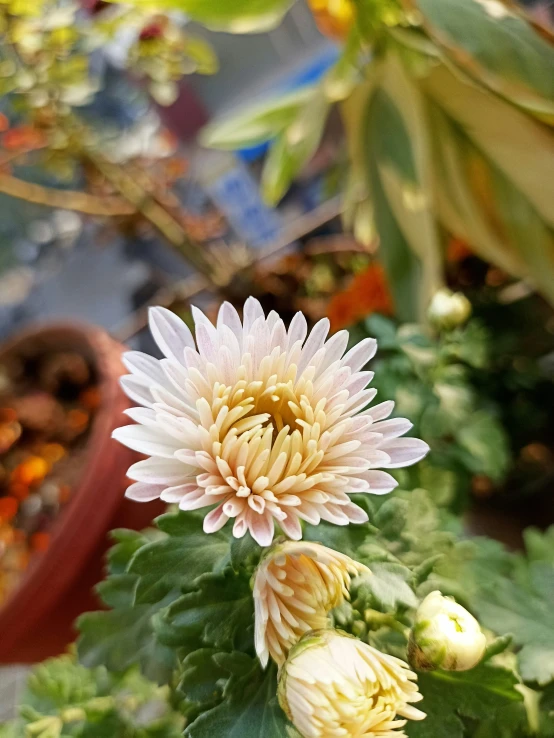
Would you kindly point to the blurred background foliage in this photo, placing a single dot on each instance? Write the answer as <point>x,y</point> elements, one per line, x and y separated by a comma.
<point>448,107</point>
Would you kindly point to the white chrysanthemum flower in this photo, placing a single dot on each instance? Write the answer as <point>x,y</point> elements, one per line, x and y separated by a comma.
<point>295,587</point>
<point>334,686</point>
<point>260,423</point>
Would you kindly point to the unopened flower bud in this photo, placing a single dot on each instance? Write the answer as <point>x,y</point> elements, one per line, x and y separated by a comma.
<point>335,685</point>
<point>445,636</point>
<point>449,310</point>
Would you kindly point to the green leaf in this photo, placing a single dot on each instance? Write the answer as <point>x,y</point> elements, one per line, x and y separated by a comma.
<point>245,553</point>
<point>486,444</point>
<point>386,587</point>
<point>258,123</point>
<point>240,16</point>
<point>495,192</point>
<point>212,615</point>
<point>499,645</point>
<point>59,683</point>
<point>253,714</point>
<point>448,697</point>
<point>202,54</point>
<point>121,638</point>
<point>524,610</point>
<point>127,543</point>
<point>202,681</point>
<point>177,561</point>
<point>346,539</point>
<point>496,46</point>
<point>386,138</point>
<point>294,148</point>
<point>539,544</point>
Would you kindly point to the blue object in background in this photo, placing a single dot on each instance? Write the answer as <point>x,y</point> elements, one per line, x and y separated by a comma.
<point>309,74</point>
<point>236,193</point>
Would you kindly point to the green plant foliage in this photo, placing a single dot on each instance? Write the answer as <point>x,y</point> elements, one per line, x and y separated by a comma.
<point>479,38</point>
<point>486,692</point>
<point>431,378</point>
<point>240,16</point>
<point>63,698</point>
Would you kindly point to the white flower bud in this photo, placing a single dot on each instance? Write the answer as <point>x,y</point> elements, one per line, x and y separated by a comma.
<point>333,685</point>
<point>445,636</point>
<point>448,309</point>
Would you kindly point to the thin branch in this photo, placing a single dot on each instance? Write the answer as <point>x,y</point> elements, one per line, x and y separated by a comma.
<point>64,199</point>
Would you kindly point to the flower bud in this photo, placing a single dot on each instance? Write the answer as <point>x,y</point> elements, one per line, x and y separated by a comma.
<point>448,310</point>
<point>334,685</point>
<point>295,586</point>
<point>445,636</point>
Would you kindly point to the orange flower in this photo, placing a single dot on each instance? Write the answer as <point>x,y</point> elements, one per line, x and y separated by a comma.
<point>368,293</point>
<point>24,137</point>
<point>342,311</point>
<point>334,18</point>
<point>371,291</point>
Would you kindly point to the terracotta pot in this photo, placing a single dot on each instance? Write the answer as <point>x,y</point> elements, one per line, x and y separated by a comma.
<point>37,620</point>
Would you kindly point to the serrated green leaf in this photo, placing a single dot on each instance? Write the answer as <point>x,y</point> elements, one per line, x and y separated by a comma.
<point>122,638</point>
<point>118,591</point>
<point>202,681</point>
<point>176,562</point>
<point>127,543</point>
<point>385,588</point>
<point>347,539</point>
<point>536,664</point>
<point>255,715</point>
<point>481,693</point>
<point>245,553</point>
<point>525,610</point>
<point>211,615</point>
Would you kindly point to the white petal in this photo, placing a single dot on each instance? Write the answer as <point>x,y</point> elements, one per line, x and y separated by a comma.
<point>146,440</point>
<point>355,513</point>
<point>261,528</point>
<point>334,349</point>
<point>360,354</point>
<point>170,333</point>
<point>143,415</point>
<point>145,367</point>
<point>392,428</point>
<point>169,472</point>
<point>136,390</point>
<point>176,494</point>
<point>380,483</point>
<point>251,312</point>
<point>298,330</point>
<point>141,492</point>
<point>313,343</point>
<point>291,527</point>
<point>404,452</point>
<point>380,412</point>
<point>228,316</point>
<point>215,520</point>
